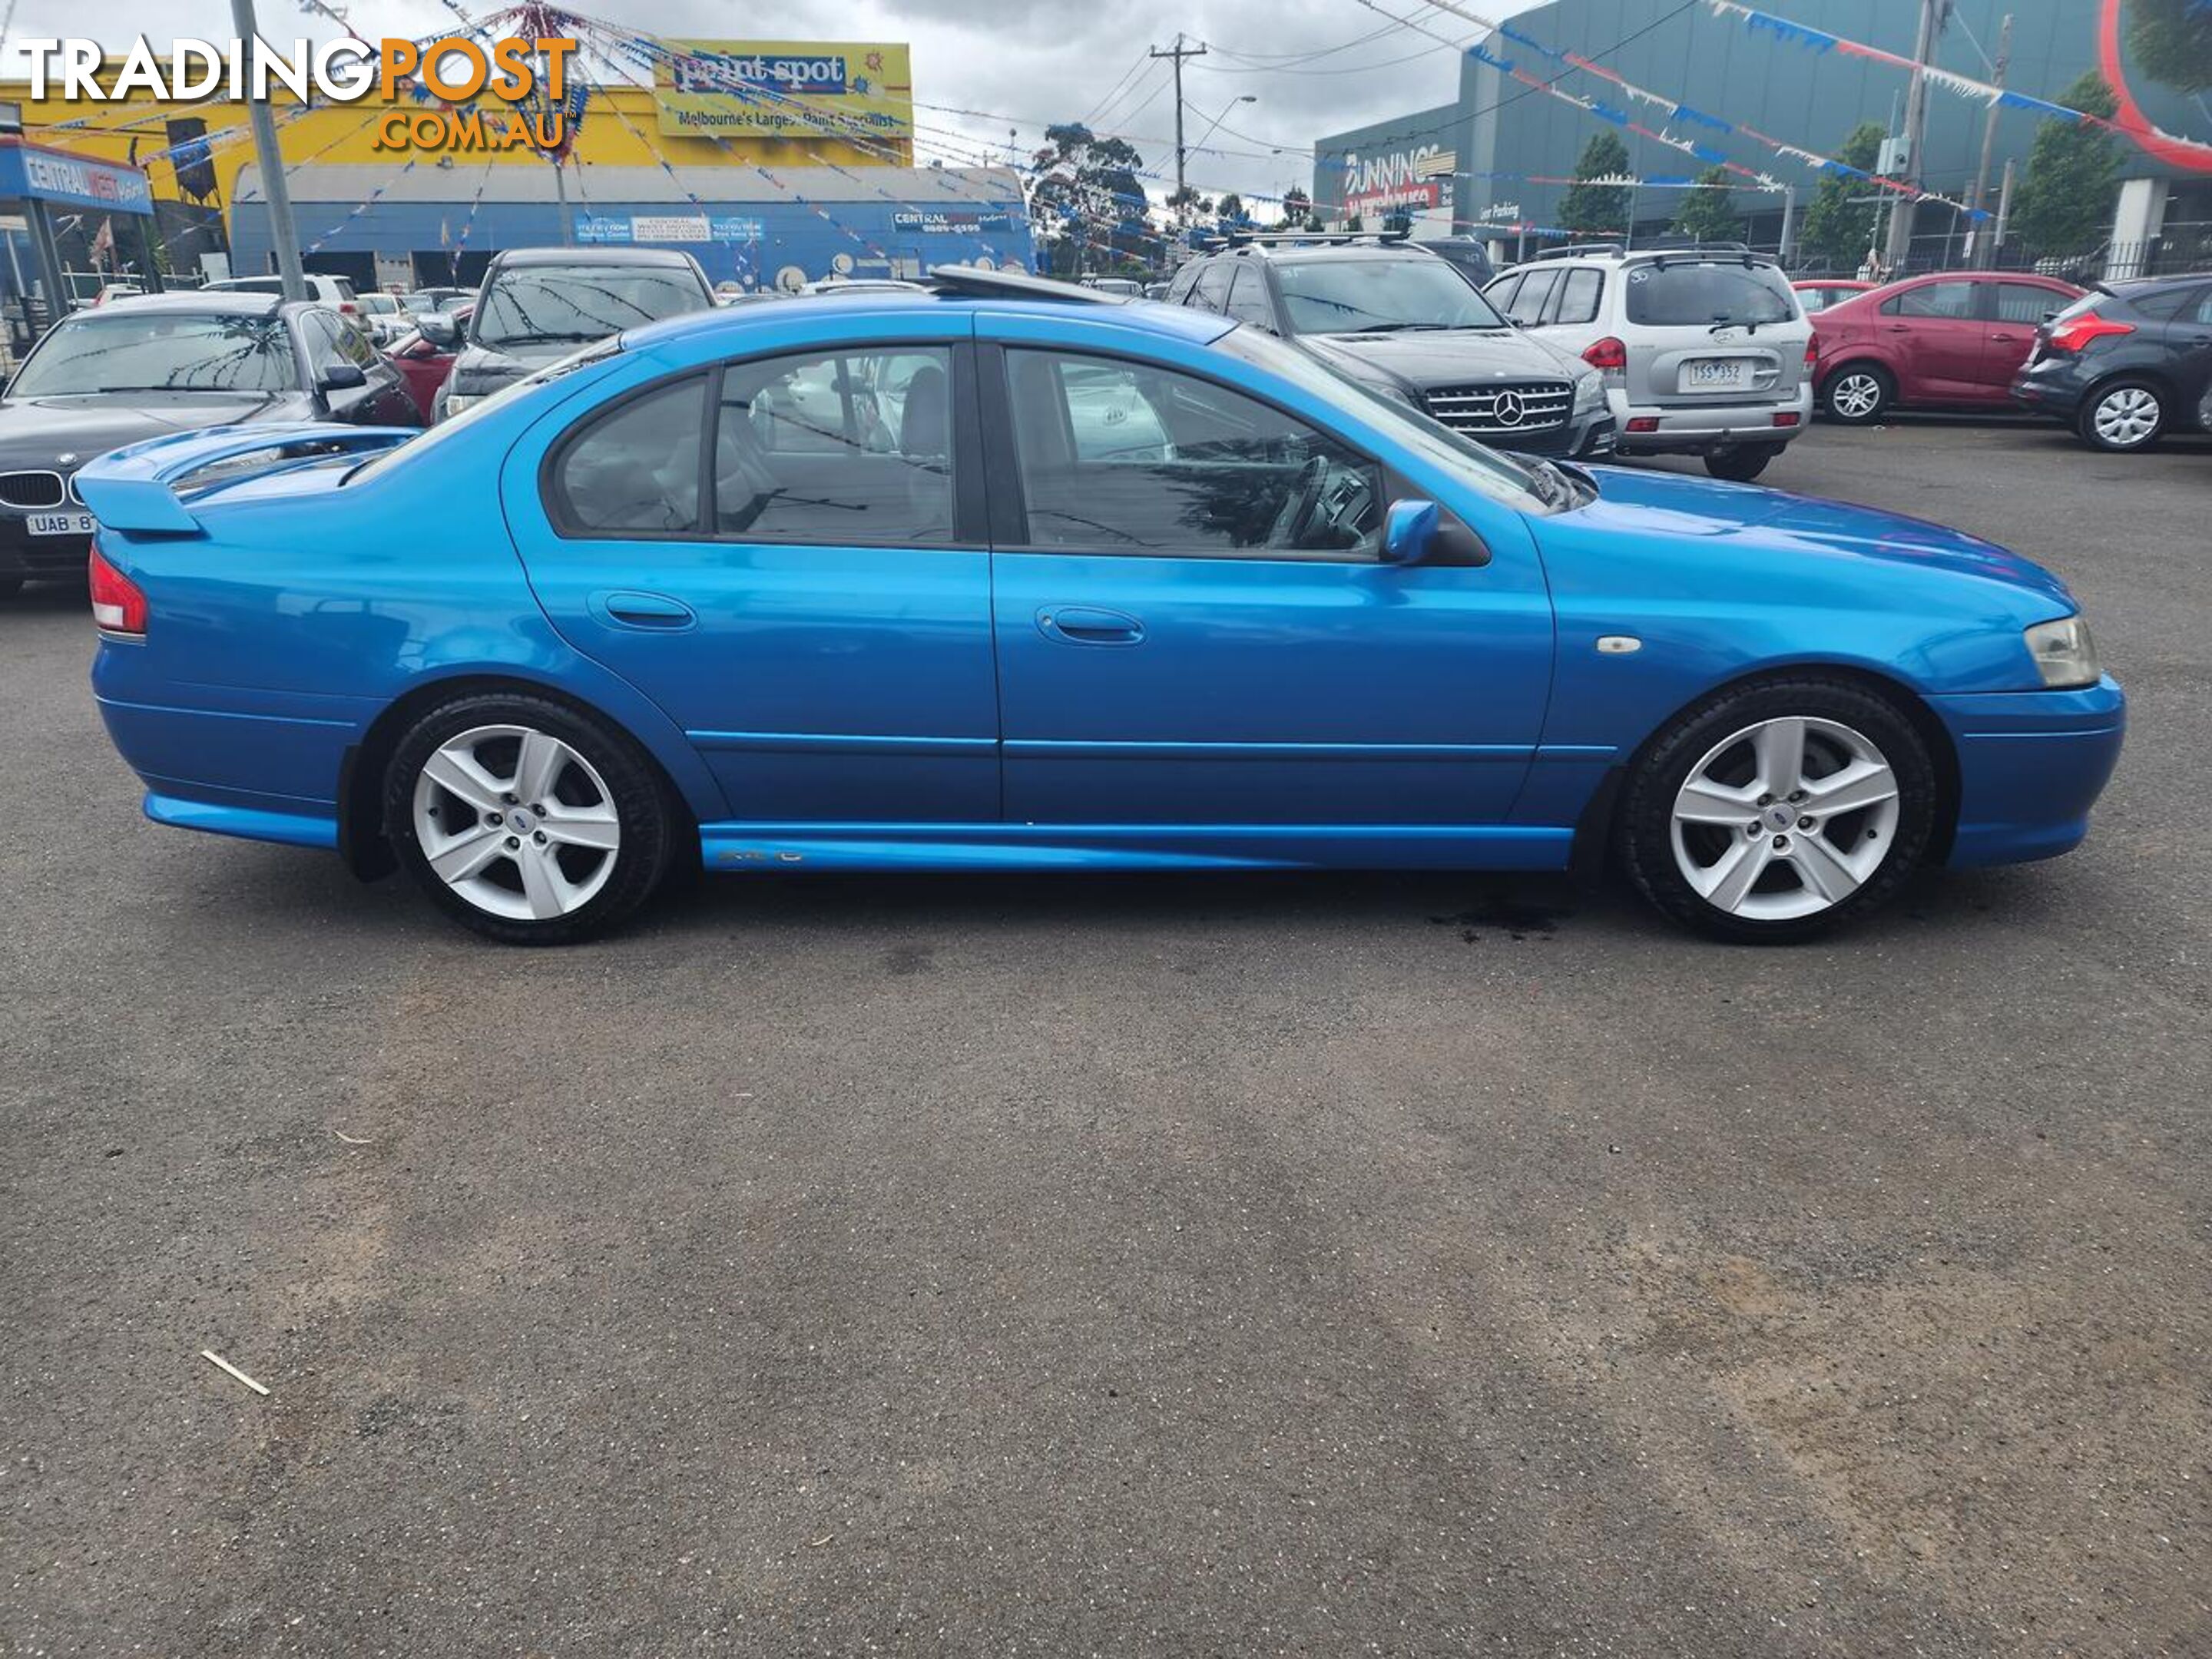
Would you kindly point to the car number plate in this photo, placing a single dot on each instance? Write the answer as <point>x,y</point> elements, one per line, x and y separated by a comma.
<point>1716,374</point>
<point>62,523</point>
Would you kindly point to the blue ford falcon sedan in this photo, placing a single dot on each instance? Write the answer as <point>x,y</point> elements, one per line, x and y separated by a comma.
<point>1002,575</point>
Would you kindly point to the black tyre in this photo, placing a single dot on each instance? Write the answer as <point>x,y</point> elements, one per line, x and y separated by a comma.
<point>527,820</point>
<point>1741,465</point>
<point>2122,417</point>
<point>1775,811</point>
<point>1858,394</point>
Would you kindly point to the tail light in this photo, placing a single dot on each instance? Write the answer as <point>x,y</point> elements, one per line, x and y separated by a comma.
<point>118,605</point>
<point>1813,349</point>
<point>1608,355</point>
<point>2073,333</point>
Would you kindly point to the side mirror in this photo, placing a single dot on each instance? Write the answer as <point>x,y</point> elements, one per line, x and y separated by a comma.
<point>341,377</point>
<point>1408,528</point>
<point>439,328</point>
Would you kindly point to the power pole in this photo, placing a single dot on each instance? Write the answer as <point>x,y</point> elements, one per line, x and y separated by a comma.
<point>275,193</point>
<point>1933,14</point>
<point>1178,52</point>
<point>1984,241</point>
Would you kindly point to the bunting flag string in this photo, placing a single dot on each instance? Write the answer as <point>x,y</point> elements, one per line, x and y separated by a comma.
<point>2131,124</point>
<point>1675,108</point>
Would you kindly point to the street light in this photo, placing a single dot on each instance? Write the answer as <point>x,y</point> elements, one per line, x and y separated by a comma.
<point>1243,98</point>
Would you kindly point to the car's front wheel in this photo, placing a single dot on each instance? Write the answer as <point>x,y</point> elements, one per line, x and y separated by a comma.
<point>1858,394</point>
<point>1772,812</point>
<point>531,822</point>
<point>2124,416</point>
<point>1742,463</point>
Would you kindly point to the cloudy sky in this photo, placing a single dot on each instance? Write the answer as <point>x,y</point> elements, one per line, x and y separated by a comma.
<point>1312,66</point>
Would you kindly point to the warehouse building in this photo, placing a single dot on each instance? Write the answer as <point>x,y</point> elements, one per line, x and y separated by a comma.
<point>1487,162</point>
<point>384,227</point>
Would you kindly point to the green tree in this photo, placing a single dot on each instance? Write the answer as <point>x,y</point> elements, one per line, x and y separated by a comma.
<point>1297,209</point>
<point>1230,211</point>
<point>1839,224</point>
<point>2172,41</point>
<point>1708,212</point>
<point>1588,207</point>
<point>2065,199</point>
<point>1087,206</point>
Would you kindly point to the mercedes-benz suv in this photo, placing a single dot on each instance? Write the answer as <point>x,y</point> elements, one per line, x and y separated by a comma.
<point>1407,324</point>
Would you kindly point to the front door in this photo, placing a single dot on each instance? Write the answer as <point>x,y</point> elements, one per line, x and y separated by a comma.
<point>786,554</point>
<point>1194,628</point>
<point>1935,330</point>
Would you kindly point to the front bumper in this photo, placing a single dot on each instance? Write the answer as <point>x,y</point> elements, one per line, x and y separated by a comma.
<point>1589,437</point>
<point>23,555</point>
<point>2031,766</point>
<point>1704,429</point>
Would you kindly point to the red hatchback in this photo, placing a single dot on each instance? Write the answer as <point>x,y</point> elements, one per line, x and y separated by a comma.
<point>1951,340</point>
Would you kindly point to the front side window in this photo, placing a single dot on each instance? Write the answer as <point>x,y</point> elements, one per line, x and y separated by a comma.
<point>849,447</point>
<point>1212,289</point>
<point>1124,457</point>
<point>1248,297</point>
<point>1535,290</point>
<point>1953,300</point>
<point>1378,295</point>
<point>165,351</point>
<point>1663,295</point>
<point>550,305</point>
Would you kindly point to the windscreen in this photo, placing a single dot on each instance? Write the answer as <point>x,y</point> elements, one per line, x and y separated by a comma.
<point>1667,295</point>
<point>573,304</point>
<point>1365,297</point>
<point>167,352</point>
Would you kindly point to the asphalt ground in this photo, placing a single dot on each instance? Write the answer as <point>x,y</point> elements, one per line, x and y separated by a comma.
<point>1310,1265</point>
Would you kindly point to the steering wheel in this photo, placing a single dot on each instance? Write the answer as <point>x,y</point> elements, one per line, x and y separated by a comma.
<point>1295,519</point>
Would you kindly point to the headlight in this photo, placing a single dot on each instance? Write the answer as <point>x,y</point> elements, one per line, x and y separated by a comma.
<point>455,402</point>
<point>2063,652</point>
<point>1590,391</point>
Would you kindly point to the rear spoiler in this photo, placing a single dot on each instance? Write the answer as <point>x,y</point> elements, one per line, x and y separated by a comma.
<point>136,488</point>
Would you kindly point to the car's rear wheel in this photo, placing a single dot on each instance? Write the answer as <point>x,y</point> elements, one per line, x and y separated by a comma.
<point>2124,416</point>
<point>531,822</point>
<point>1743,464</point>
<point>1774,812</point>
<point>1858,394</point>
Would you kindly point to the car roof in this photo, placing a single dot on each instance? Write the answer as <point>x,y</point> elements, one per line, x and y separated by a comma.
<point>1142,317</point>
<point>592,255</point>
<point>240,302</point>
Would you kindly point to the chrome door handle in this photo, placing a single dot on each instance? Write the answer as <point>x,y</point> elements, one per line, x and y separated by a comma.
<point>1087,624</point>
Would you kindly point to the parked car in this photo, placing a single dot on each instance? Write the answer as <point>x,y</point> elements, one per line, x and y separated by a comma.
<point>155,366</point>
<point>1405,322</point>
<point>1829,291</point>
<point>537,304</point>
<point>334,291</point>
<point>1953,340</point>
<point>438,298</point>
<point>1471,257</point>
<point>110,292</point>
<point>386,317</point>
<point>424,364</point>
<point>1703,349</point>
<point>634,624</point>
<point>1117,285</point>
<point>2127,364</point>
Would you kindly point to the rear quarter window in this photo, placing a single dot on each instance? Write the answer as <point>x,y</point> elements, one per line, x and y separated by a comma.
<point>1661,295</point>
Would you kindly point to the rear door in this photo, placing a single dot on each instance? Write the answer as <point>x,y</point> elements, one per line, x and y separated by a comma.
<point>1932,335</point>
<point>1713,330</point>
<point>1193,628</point>
<point>2016,311</point>
<point>2189,338</point>
<point>786,553</point>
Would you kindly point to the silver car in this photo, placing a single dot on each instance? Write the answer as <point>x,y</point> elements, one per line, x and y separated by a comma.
<point>1705,349</point>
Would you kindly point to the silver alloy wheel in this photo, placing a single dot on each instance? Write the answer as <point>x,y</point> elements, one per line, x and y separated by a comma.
<point>516,822</point>
<point>2125,416</point>
<point>1785,819</point>
<point>1855,396</point>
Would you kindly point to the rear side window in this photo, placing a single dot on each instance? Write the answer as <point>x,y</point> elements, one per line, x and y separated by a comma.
<point>2204,312</point>
<point>1954,300</point>
<point>1667,296</point>
<point>2024,302</point>
<point>636,470</point>
<point>1576,299</point>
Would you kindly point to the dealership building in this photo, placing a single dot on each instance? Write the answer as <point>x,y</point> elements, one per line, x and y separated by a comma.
<point>1489,162</point>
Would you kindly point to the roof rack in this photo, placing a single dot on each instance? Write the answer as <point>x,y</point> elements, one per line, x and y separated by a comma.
<point>1323,238</point>
<point>975,281</point>
<point>1577,250</point>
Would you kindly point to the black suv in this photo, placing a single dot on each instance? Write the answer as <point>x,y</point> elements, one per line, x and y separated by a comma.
<point>537,304</point>
<point>1407,324</point>
<point>2127,364</point>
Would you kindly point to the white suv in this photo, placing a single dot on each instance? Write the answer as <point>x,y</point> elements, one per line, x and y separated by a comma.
<point>1704,349</point>
<point>324,290</point>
